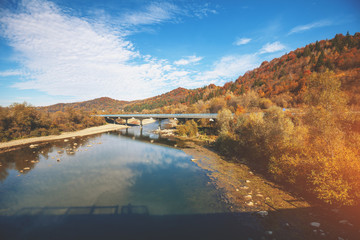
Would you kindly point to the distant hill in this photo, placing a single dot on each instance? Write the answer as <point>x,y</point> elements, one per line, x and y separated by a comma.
<point>99,104</point>
<point>283,79</point>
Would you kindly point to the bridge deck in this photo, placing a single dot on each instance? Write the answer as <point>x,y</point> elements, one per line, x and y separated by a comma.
<point>162,116</point>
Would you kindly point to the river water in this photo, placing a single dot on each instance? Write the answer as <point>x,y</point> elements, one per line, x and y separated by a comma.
<point>106,170</point>
<point>130,172</point>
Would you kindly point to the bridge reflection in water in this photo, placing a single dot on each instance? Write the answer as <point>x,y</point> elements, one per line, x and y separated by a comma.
<point>159,117</point>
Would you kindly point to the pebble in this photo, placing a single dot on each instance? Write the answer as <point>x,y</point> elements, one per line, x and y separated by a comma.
<point>244,187</point>
<point>346,222</point>
<point>58,159</point>
<point>250,204</point>
<point>89,145</point>
<point>340,238</point>
<point>248,197</point>
<point>33,145</point>
<point>66,140</point>
<point>150,140</point>
<point>247,181</point>
<point>263,213</point>
<point>75,144</point>
<point>26,168</point>
<point>193,159</point>
<point>268,232</point>
<point>237,189</point>
<point>315,224</point>
<point>259,195</point>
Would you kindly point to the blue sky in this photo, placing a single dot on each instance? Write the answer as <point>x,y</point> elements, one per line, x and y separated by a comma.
<point>76,50</point>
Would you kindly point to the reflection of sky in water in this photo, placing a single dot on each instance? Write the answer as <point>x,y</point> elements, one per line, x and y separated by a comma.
<point>118,171</point>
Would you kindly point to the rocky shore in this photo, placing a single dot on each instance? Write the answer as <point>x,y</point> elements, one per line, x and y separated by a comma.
<point>283,215</point>
<point>15,144</point>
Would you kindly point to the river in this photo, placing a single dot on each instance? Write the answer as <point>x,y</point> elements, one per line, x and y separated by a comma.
<point>106,178</point>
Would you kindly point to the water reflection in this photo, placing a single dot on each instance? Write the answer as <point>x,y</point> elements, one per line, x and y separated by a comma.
<point>106,170</point>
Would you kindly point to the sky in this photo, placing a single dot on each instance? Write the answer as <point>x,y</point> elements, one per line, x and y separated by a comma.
<point>77,50</point>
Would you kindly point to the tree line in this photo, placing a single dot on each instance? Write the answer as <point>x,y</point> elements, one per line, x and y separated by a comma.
<point>22,120</point>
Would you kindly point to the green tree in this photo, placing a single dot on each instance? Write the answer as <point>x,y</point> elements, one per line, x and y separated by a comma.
<point>320,62</point>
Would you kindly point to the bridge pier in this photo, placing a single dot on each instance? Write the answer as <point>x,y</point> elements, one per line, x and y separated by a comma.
<point>126,121</point>
<point>159,120</point>
<point>141,123</point>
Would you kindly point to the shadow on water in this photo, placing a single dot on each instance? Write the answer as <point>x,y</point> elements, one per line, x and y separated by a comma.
<point>135,222</point>
<point>125,222</point>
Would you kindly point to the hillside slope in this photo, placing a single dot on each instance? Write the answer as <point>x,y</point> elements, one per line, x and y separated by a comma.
<point>100,104</point>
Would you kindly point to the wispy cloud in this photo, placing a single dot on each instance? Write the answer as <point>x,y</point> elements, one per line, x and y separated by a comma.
<point>203,11</point>
<point>152,14</point>
<point>9,73</point>
<point>242,41</point>
<point>159,12</point>
<point>318,24</point>
<point>188,60</point>
<point>70,56</point>
<point>229,68</point>
<point>272,47</point>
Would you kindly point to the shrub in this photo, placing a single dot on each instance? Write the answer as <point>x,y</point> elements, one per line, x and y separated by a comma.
<point>189,129</point>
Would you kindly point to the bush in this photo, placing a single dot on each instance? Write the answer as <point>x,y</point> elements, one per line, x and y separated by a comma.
<point>189,129</point>
<point>54,131</point>
<point>265,103</point>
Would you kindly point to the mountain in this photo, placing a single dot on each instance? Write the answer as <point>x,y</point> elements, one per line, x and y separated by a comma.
<point>283,80</point>
<point>175,96</point>
<point>100,104</point>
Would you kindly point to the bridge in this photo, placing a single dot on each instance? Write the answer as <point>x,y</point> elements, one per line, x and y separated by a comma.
<point>160,117</point>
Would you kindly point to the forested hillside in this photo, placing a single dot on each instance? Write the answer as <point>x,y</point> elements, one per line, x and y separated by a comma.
<point>282,80</point>
<point>99,104</point>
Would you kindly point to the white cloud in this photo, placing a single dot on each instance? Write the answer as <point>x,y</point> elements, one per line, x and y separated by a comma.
<point>229,68</point>
<point>309,26</point>
<point>151,14</point>
<point>203,11</point>
<point>70,56</point>
<point>188,60</point>
<point>242,41</point>
<point>9,73</point>
<point>158,12</point>
<point>272,47</point>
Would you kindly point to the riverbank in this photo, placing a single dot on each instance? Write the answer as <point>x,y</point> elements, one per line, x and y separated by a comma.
<point>284,215</point>
<point>19,143</point>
